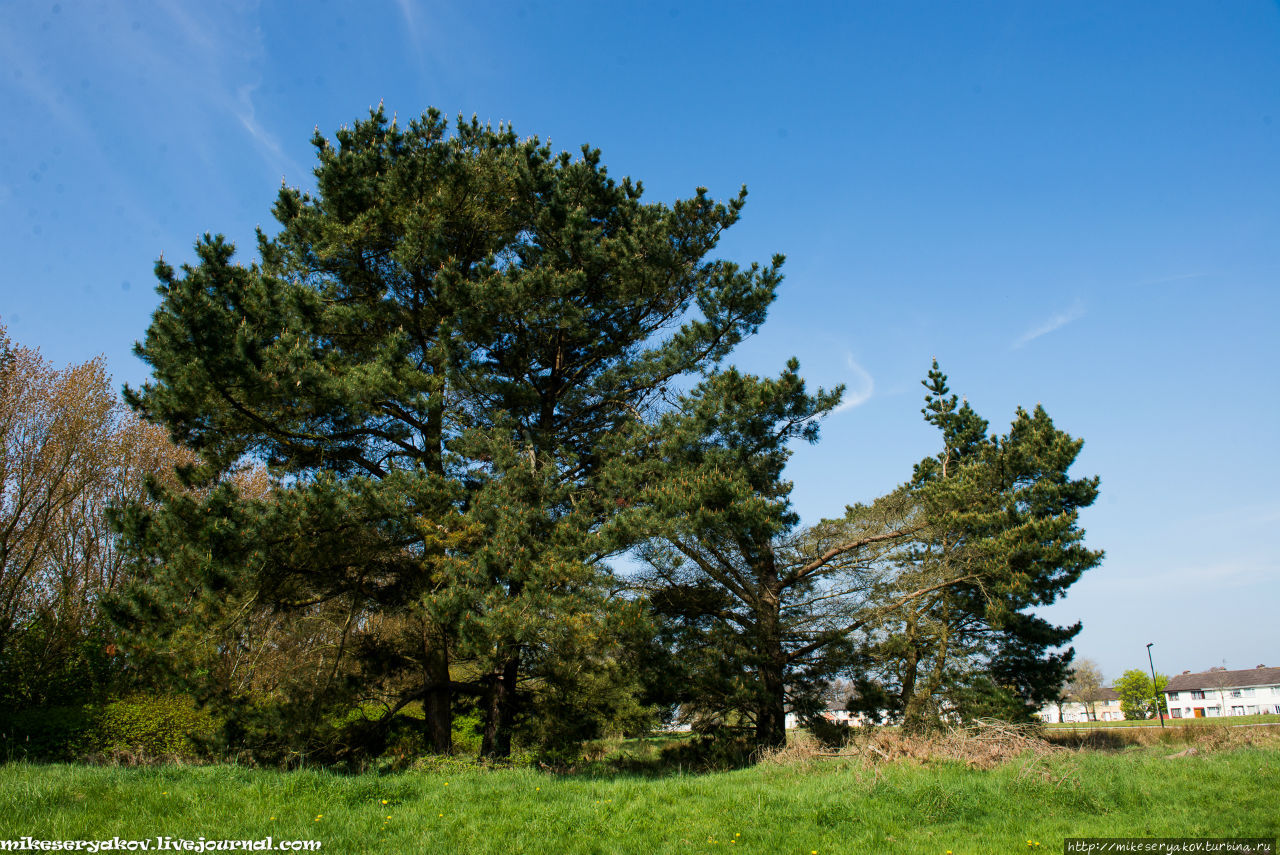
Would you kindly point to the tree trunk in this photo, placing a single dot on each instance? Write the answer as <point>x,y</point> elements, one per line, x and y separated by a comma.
<point>911,713</point>
<point>500,711</point>
<point>771,717</point>
<point>921,719</point>
<point>437,705</point>
<point>771,712</point>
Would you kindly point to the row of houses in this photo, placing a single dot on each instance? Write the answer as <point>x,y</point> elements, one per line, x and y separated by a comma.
<point>1204,694</point>
<point>1210,694</point>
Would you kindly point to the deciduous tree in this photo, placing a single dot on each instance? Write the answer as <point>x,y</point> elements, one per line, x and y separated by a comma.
<point>1084,685</point>
<point>68,450</point>
<point>1138,697</point>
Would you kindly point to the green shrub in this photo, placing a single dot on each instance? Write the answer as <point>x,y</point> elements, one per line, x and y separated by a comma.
<point>466,733</point>
<point>48,733</point>
<point>140,727</point>
<point>151,726</point>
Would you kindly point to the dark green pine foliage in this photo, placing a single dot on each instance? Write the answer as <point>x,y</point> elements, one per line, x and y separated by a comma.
<point>756,614</point>
<point>443,358</point>
<point>1003,510</point>
<point>574,340</point>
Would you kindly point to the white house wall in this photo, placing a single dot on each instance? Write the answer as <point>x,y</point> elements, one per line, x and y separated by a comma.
<point>1219,703</point>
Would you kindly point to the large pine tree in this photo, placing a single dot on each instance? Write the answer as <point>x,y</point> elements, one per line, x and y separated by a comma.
<point>443,357</point>
<point>758,612</point>
<point>1003,509</point>
<point>931,583</point>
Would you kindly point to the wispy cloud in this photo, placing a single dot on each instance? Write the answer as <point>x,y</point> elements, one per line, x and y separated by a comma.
<point>417,33</point>
<point>1057,322</point>
<point>858,392</point>
<point>244,111</point>
<point>410,15</point>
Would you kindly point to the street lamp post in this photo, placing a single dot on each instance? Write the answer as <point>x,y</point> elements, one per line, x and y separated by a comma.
<point>1154,688</point>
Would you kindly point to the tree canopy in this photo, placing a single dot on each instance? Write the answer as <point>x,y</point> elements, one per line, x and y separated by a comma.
<point>462,375</point>
<point>443,358</point>
<point>1003,522</point>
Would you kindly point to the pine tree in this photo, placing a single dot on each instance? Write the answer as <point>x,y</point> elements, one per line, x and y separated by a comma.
<point>758,612</point>
<point>1003,509</point>
<point>442,357</point>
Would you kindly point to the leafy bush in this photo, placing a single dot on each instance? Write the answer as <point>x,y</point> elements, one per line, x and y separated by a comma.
<point>45,665</point>
<point>466,733</point>
<point>151,726</point>
<point>50,733</point>
<point>141,727</point>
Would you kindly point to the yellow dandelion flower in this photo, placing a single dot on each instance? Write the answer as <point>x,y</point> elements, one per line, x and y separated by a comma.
<point>441,815</point>
<point>384,801</point>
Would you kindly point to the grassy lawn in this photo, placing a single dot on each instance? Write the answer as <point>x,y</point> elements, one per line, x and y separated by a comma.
<point>827,806</point>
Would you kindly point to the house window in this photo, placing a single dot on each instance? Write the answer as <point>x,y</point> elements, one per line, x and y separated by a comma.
<point>1175,696</point>
<point>1175,712</point>
<point>1235,693</point>
<point>1252,709</point>
<point>1197,695</point>
<point>1213,712</point>
<point>1237,710</point>
<point>1248,693</point>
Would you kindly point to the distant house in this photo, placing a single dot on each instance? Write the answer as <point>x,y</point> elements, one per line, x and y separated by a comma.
<point>1105,708</point>
<point>1219,692</point>
<point>834,713</point>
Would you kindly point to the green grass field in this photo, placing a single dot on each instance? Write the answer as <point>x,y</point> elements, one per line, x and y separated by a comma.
<point>824,806</point>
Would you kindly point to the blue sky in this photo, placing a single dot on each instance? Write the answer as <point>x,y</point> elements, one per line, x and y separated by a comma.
<point>1074,203</point>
